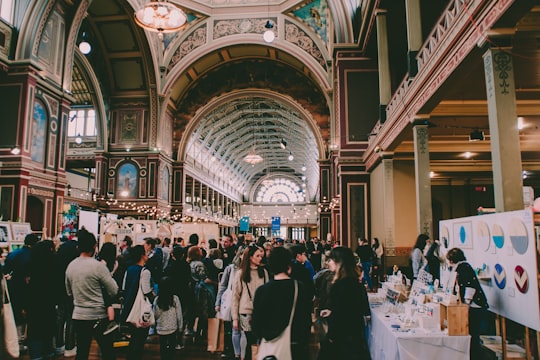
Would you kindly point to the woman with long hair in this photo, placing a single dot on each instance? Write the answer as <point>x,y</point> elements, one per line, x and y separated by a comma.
<point>168,311</point>
<point>250,276</point>
<point>348,305</point>
<point>418,260</point>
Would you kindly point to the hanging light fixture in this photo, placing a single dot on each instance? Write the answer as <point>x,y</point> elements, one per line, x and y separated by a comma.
<point>252,157</point>
<point>161,17</point>
<point>269,35</point>
<point>84,45</point>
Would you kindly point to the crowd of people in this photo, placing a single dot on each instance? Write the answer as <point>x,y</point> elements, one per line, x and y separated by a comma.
<point>87,292</point>
<point>259,287</point>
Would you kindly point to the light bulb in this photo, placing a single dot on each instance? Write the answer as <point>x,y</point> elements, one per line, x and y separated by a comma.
<point>85,47</point>
<point>269,36</point>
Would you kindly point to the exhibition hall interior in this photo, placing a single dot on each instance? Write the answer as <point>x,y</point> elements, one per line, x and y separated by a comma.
<point>289,119</point>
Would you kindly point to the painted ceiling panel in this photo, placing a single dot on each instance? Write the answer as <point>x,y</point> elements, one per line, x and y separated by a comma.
<point>105,7</point>
<point>206,62</point>
<point>128,74</point>
<point>118,36</point>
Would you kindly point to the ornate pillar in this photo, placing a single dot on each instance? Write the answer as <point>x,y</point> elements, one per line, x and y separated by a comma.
<point>414,34</point>
<point>424,217</point>
<point>389,241</point>
<point>504,134</point>
<point>385,90</point>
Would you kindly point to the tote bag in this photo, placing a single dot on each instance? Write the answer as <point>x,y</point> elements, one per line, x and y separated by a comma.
<point>11,336</point>
<point>280,347</point>
<point>216,335</point>
<point>141,314</point>
<point>225,312</point>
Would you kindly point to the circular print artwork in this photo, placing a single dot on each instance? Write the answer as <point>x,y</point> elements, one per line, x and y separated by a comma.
<point>497,234</point>
<point>522,279</point>
<point>519,236</point>
<point>482,234</point>
<point>499,276</point>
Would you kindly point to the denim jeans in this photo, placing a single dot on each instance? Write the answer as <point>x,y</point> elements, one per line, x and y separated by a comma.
<point>41,348</point>
<point>366,266</point>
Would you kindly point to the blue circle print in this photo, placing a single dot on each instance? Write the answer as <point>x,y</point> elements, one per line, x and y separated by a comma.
<point>462,235</point>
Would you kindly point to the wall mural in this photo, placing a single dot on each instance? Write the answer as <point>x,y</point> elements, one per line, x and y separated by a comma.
<point>126,185</point>
<point>315,14</point>
<point>39,122</point>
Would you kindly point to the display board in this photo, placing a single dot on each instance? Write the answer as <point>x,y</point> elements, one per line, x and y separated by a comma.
<point>205,231</point>
<point>502,247</point>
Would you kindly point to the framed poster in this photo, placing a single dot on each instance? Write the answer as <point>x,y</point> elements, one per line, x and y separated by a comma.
<point>20,230</point>
<point>5,233</point>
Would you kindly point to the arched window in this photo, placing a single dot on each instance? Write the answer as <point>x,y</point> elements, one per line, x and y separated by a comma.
<point>280,190</point>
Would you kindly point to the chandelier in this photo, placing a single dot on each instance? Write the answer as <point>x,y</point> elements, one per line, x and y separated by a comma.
<point>161,17</point>
<point>252,157</point>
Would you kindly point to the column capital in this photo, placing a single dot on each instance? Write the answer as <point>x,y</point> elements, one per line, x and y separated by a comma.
<point>420,120</point>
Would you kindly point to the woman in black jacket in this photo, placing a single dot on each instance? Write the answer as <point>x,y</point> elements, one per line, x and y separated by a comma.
<point>346,337</point>
<point>471,293</point>
<point>273,304</point>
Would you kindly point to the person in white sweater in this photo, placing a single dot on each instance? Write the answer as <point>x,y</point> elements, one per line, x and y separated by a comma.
<point>168,313</point>
<point>250,276</point>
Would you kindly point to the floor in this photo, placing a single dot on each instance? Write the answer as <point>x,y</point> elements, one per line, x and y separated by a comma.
<point>192,351</point>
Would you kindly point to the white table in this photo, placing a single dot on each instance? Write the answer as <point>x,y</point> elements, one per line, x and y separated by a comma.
<point>386,343</point>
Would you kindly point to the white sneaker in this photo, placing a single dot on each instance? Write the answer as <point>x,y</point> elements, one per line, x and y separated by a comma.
<point>70,353</point>
<point>60,350</point>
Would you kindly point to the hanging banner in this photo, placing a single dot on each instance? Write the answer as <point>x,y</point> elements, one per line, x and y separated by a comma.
<point>276,223</point>
<point>244,223</point>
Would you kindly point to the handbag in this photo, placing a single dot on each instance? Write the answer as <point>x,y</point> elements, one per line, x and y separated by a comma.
<point>225,312</point>
<point>11,336</point>
<point>141,314</point>
<point>280,347</point>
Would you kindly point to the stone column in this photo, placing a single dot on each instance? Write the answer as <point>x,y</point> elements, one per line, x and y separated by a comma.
<point>422,178</point>
<point>385,90</point>
<point>504,133</point>
<point>414,34</point>
<point>389,241</point>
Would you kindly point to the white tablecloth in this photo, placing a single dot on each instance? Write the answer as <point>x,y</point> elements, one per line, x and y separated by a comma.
<point>386,343</point>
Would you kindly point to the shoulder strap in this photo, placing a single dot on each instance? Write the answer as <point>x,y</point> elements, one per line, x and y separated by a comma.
<point>231,278</point>
<point>249,292</point>
<point>294,302</point>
